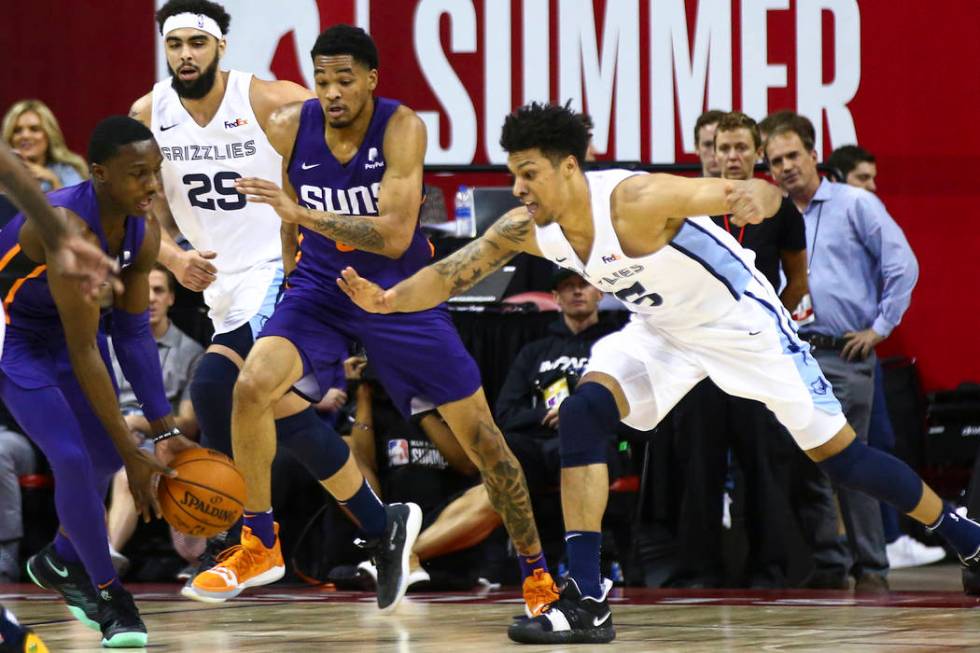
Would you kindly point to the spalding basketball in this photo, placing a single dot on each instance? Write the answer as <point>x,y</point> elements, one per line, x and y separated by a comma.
<point>206,497</point>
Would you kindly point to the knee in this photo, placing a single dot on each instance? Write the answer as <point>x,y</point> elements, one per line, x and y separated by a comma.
<point>586,421</point>
<point>214,377</point>
<point>254,389</point>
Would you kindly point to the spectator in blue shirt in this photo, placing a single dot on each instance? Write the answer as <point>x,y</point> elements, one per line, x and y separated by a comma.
<point>861,274</point>
<point>32,131</point>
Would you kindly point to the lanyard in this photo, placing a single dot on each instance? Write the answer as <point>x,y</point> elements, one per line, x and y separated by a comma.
<point>741,233</point>
<point>813,245</point>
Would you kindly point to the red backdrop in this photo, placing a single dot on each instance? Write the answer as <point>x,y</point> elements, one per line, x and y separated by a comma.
<point>913,106</point>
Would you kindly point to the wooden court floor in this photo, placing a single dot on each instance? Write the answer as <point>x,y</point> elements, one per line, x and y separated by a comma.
<point>925,612</point>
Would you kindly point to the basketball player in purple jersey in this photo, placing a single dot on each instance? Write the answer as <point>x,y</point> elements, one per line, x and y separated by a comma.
<point>210,125</point>
<point>55,378</point>
<point>355,163</point>
<point>73,257</point>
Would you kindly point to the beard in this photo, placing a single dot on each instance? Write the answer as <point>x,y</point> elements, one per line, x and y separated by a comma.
<point>197,88</point>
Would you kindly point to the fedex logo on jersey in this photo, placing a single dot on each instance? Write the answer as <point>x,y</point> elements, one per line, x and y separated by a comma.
<point>238,122</point>
<point>372,160</point>
<point>610,259</point>
<point>358,200</point>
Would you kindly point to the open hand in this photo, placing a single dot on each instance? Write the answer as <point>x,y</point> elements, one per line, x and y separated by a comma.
<point>860,344</point>
<point>366,294</point>
<point>194,269</point>
<point>262,191</point>
<point>78,259</point>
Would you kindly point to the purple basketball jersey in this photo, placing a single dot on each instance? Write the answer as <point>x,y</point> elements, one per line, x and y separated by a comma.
<point>324,184</point>
<point>24,283</point>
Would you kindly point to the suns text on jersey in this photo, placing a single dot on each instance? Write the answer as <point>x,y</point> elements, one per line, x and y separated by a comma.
<point>356,200</point>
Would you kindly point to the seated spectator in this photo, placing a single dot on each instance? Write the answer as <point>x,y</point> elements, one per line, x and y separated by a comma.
<point>541,376</point>
<point>179,354</point>
<point>17,458</point>
<point>33,133</point>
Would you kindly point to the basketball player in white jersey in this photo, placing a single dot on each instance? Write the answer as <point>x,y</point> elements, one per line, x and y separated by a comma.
<point>700,309</point>
<point>211,127</point>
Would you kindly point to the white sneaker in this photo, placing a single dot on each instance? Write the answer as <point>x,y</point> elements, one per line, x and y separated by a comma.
<point>909,552</point>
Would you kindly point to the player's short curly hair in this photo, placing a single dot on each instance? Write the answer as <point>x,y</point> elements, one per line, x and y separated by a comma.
<point>347,39</point>
<point>210,9</point>
<point>555,130</point>
<point>113,133</point>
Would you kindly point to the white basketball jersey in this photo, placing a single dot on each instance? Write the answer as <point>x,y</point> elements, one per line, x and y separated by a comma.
<point>696,278</point>
<point>200,166</point>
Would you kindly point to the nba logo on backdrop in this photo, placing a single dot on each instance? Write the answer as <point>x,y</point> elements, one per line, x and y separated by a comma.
<point>397,452</point>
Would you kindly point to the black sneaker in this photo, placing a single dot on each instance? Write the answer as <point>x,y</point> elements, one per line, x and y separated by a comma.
<point>120,620</point>
<point>205,561</point>
<point>49,571</point>
<point>392,550</point>
<point>572,619</point>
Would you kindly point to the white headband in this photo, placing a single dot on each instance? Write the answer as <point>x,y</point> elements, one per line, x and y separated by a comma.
<point>195,21</point>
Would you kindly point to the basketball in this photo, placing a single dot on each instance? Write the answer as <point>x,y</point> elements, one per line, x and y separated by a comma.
<point>207,496</point>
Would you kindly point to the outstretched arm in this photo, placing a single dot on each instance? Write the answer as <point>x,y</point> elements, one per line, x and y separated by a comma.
<point>666,196</point>
<point>432,285</point>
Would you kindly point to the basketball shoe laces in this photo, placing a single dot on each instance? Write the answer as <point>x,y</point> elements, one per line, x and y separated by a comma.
<point>238,559</point>
<point>539,592</point>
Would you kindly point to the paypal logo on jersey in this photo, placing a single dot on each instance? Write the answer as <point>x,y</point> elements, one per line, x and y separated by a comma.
<point>372,160</point>
<point>358,200</point>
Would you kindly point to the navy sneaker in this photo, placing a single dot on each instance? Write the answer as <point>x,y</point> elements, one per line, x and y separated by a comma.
<point>572,619</point>
<point>48,570</point>
<point>391,552</point>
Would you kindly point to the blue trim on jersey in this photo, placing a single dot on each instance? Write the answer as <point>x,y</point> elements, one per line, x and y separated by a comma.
<point>707,267</point>
<point>786,334</point>
<point>268,305</point>
<point>720,261</point>
<point>820,389</point>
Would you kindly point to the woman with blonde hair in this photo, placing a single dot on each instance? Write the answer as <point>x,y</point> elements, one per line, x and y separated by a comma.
<point>33,132</point>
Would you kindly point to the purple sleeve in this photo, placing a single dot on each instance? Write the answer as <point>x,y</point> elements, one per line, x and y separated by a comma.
<point>137,353</point>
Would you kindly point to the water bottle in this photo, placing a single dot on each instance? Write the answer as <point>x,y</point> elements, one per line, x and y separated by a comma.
<point>465,224</point>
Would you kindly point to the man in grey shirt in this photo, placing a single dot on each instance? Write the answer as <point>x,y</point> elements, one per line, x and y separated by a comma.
<point>179,354</point>
<point>861,274</point>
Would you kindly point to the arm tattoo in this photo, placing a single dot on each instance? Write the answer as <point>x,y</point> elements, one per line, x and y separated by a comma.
<point>483,256</point>
<point>471,264</point>
<point>514,230</point>
<point>359,233</point>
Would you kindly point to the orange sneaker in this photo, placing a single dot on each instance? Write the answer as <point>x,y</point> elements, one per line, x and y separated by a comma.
<point>539,592</point>
<point>244,565</point>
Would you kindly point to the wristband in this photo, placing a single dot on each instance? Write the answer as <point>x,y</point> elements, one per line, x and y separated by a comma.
<point>166,435</point>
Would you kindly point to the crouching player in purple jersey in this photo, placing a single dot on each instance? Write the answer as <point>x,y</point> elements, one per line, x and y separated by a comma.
<point>355,162</point>
<point>73,257</point>
<point>55,378</point>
